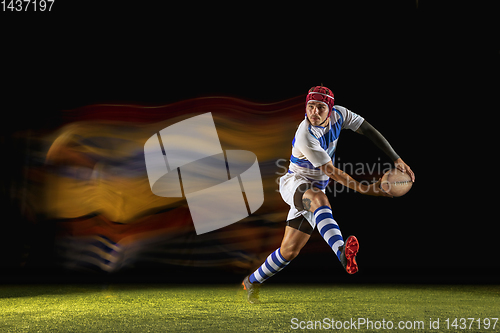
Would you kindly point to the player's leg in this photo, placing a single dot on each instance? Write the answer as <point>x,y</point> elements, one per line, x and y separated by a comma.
<point>317,202</point>
<point>297,233</point>
<point>293,241</point>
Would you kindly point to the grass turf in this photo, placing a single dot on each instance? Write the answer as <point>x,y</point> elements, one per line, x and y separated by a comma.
<point>223,308</point>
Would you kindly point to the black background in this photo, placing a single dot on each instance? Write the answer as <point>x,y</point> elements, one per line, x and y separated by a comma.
<point>426,77</point>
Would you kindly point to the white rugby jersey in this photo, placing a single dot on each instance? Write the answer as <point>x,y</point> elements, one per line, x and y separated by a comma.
<point>314,146</point>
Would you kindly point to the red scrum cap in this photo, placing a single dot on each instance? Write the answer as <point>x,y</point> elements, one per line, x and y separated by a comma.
<point>321,94</point>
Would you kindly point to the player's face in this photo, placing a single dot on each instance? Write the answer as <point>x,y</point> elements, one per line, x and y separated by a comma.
<point>317,112</point>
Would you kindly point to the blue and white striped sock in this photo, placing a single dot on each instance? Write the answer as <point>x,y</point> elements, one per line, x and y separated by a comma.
<point>329,229</point>
<point>273,264</point>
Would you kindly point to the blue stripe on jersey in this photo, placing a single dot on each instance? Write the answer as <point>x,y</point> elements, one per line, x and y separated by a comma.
<point>336,128</point>
<point>340,115</point>
<point>302,163</point>
<point>325,140</point>
<point>309,128</point>
<point>330,136</point>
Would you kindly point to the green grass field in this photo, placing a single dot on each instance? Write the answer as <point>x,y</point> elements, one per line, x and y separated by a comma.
<point>223,308</point>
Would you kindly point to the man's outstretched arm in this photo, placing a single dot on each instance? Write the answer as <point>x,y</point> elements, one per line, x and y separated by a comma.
<point>345,179</point>
<point>378,139</point>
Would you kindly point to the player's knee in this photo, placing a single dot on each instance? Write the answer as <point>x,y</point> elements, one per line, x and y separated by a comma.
<point>313,199</point>
<point>291,248</point>
<point>290,252</point>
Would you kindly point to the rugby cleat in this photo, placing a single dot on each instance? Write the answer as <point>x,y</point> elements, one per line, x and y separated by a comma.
<point>348,255</point>
<point>252,290</point>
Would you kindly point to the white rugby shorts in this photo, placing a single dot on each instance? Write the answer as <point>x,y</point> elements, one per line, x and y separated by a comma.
<point>288,186</point>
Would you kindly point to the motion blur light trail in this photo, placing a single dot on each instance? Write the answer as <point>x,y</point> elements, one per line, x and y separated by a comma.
<point>93,183</point>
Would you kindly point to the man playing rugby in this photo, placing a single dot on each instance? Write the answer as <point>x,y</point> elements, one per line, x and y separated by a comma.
<point>303,187</point>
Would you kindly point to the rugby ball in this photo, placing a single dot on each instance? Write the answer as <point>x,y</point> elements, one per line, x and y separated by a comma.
<point>396,183</point>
